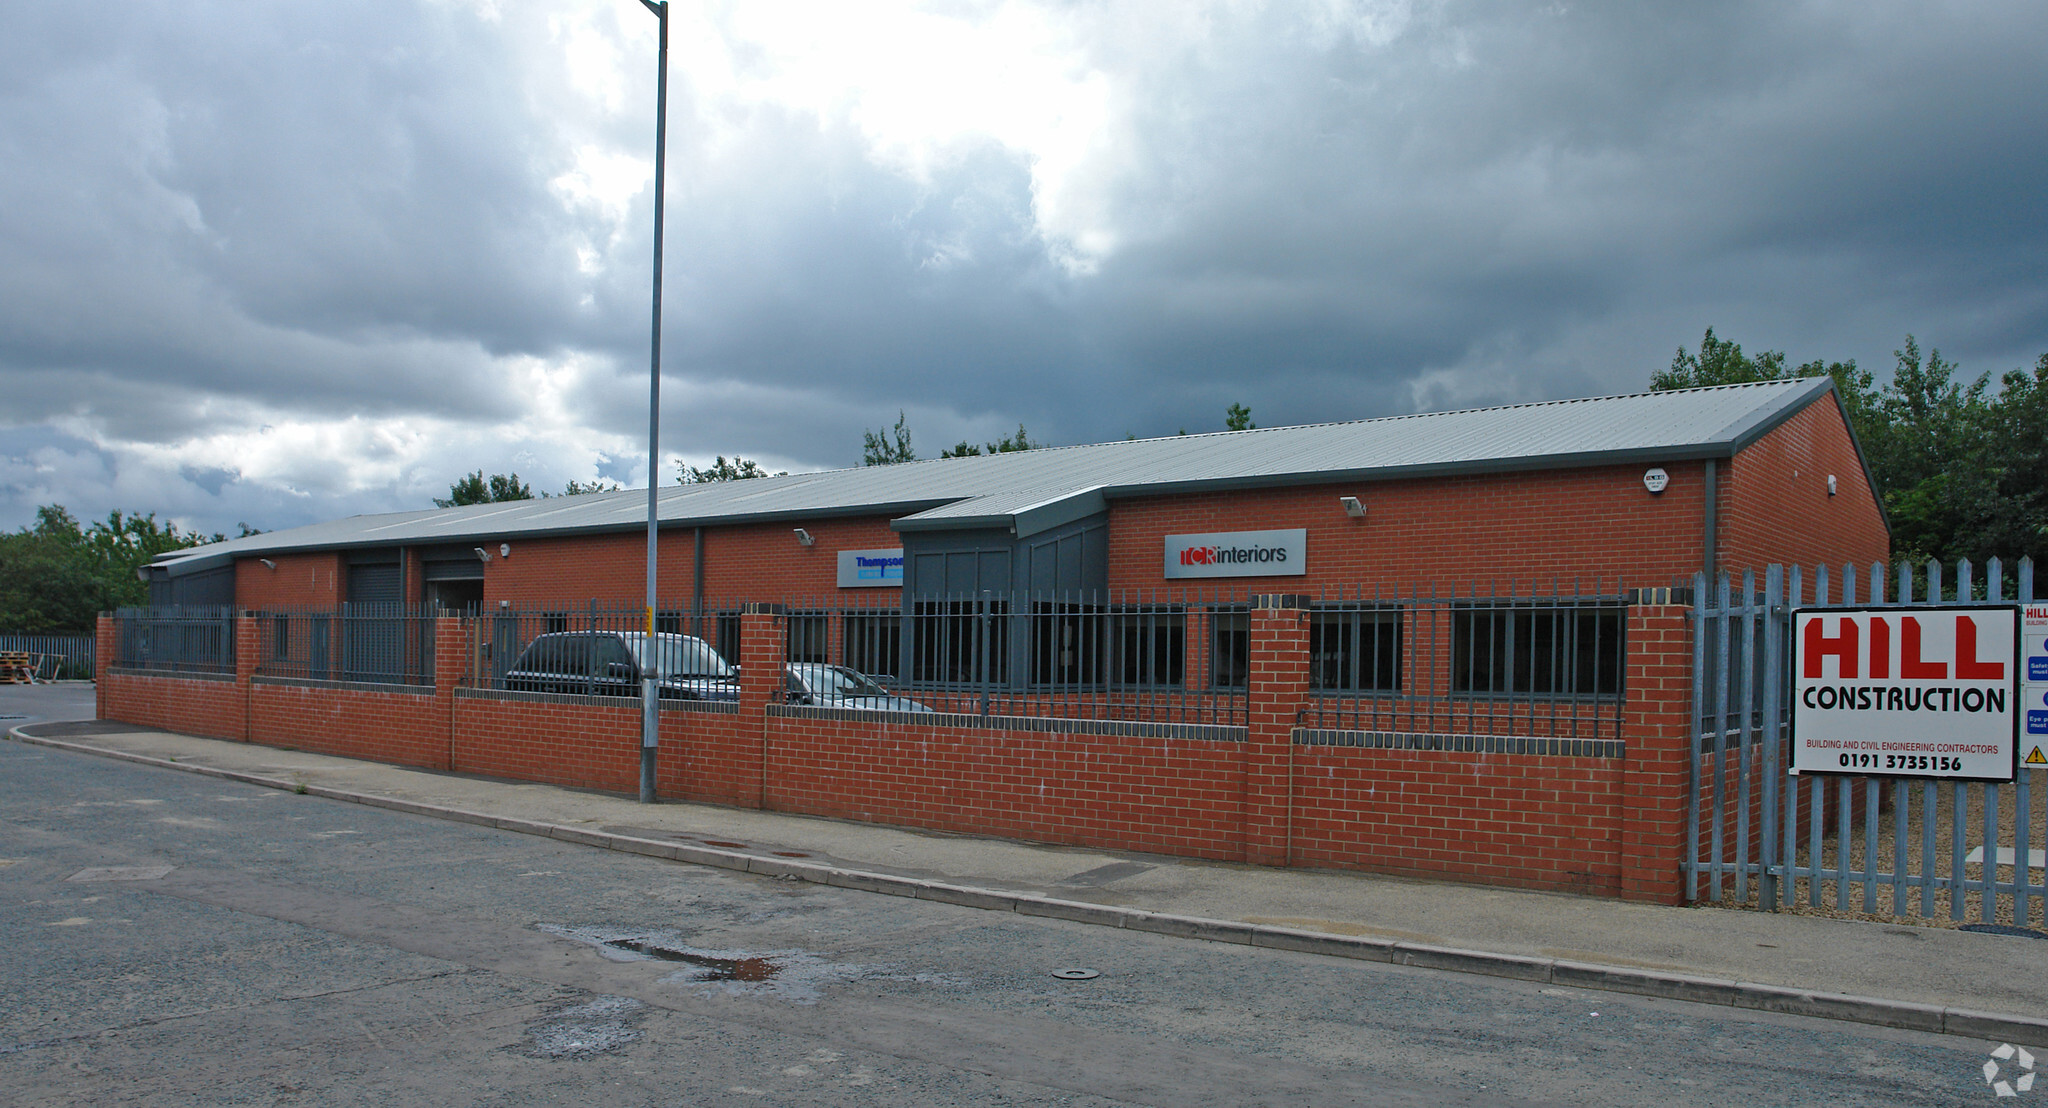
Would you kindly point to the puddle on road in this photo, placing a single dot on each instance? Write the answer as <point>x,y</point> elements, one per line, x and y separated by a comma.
<point>794,976</point>
<point>603,1025</point>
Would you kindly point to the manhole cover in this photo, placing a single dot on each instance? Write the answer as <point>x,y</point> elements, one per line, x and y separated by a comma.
<point>121,873</point>
<point>2003,929</point>
<point>1076,974</point>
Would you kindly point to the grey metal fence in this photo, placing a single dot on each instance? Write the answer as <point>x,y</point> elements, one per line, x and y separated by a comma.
<point>594,648</point>
<point>1537,659</point>
<point>55,657</point>
<point>384,643</point>
<point>196,639</point>
<point>1881,846</point>
<point>1150,655</point>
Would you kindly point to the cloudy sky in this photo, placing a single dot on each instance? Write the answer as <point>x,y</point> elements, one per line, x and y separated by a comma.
<point>274,263</point>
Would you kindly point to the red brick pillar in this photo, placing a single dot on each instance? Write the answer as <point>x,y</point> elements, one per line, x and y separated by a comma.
<point>451,668</point>
<point>762,627</point>
<point>1277,688</point>
<point>1656,725</point>
<point>248,651</point>
<point>104,650</point>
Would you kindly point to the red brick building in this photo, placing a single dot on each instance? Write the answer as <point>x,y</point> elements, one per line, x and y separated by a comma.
<point>1450,645</point>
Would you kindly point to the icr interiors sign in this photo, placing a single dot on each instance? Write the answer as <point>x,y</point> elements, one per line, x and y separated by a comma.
<point>1238,554</point>
<point>1906,692</point>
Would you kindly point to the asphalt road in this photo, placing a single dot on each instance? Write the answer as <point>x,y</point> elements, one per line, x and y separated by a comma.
<point>304,951</point>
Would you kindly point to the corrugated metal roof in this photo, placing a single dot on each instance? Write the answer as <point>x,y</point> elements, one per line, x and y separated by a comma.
<point>1033,489</point>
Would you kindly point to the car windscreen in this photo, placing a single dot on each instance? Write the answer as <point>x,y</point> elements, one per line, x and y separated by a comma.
<point>840,684</point>
<point>685,657</point>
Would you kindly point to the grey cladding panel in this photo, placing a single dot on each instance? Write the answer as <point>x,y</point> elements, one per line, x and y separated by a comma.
<point>211,587</point>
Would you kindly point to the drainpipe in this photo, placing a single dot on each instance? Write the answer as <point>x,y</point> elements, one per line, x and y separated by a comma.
<point>1712,538</point>
<point>697,594</point>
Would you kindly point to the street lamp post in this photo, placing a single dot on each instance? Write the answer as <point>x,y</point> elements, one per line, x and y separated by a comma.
<point>650,698</point>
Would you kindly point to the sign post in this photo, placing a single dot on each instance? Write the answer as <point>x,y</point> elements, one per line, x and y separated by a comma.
<point>1907,692</point>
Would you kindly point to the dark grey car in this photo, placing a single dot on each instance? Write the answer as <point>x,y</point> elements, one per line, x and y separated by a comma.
<point>612,663</point>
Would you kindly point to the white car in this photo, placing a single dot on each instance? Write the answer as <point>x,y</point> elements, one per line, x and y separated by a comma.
<point>824,686</point>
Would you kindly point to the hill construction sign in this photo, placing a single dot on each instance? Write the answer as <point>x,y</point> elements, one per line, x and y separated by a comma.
<point>1907,692</point>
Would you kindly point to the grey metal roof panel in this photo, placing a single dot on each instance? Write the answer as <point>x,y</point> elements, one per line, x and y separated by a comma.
<point>1001,489</point>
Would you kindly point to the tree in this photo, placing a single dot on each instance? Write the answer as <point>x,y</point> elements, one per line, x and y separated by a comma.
<point>56,576</point>
<point>881,448</point>
<point>739,469</point>
<point>474,489</point>
<point>1010,445</point>
<point>1238,418</point>
<point>578,488</point>
<point>1962,470</point>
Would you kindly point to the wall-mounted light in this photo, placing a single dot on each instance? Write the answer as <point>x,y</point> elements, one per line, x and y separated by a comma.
<point>268,564</point>
<point>482,555</point>
<point>804,538</point>
<point>1831,484</point>
<point>504,550</point>
<point>1656,480</point>
<point>1353,507</point>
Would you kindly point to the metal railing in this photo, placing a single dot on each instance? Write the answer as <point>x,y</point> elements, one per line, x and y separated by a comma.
<point>1535,660</point>
<point>1878,846</point>
<point>595,648</point>
<point>195,639</point>
<point>382,643</point>
<point>1148,655</point>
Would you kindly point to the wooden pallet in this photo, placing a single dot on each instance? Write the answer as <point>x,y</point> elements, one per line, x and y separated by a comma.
<point>15,668</point>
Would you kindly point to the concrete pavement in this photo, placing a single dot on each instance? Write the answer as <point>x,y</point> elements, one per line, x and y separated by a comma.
<point>1936,979</point>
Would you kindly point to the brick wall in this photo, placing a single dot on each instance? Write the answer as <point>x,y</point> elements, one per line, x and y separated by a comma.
<point>1523,820</point>
<point>1170,796</point>
<point>740,563</point>
<point>1775,505</point>
<point>1569,523</point>
<point>356,721</point>
<point>1541,820</point>
<point>299,581</point>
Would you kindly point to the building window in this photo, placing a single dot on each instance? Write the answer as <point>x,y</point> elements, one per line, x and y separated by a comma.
<point>1537,648</point>
<point>1152,648</point>
<point>1355,650</point>
<point>806,637</point>
<point>281,638</point>
<point>1230,648</point>
<point>873,643</point>
<point>555,621</point>
<point>960,642</point>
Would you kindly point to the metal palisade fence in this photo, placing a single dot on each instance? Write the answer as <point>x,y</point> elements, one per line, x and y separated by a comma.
<point>1532,659</point>
<point>1875,845</point>
<point>1150,655</point>
<point>53,657</point>
<point>377,643</point>
<point>196,639</point>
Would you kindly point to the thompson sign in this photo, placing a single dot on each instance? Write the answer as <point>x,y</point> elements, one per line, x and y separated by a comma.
<point>871,569</point>
<point>1238,554</point>
<point>1906,692</point>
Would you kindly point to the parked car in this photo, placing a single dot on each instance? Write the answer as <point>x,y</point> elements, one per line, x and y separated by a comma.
<point>612,663</point>
<point>838,687</point>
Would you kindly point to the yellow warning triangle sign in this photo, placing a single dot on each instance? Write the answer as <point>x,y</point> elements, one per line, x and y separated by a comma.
<point>2035,758</point>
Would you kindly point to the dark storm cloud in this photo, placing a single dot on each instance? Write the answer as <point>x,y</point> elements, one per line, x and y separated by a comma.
<point>215,216</point>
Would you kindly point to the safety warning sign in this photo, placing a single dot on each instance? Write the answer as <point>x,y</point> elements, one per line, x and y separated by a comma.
<point>2034,685</point>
